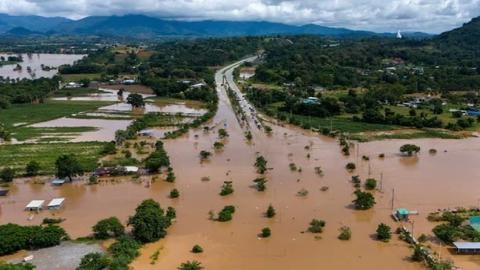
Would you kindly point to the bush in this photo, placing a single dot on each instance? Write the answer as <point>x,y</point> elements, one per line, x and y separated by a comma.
<point>370,184</point>
<point>270,212</point>
<point>350,166</point>
<point>226,214</point>
<point>7,175</point>
<point>384,232</point>
<point>32,168</point>
<point>227,188</point>
<point>190,265</point>
<point>260,184</point>
<point>364,200</point>
<point>109,227</point>
<point>345,233</point>
<point>123,251</point>
<point>174,193</point>
<point>266,232</point>
<point>316,226</point>
<point>149,222</point>
<point>197,249</point>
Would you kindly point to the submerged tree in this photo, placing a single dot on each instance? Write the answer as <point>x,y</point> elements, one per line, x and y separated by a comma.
<point>190,265</point>
<point>261,164</point>
<point>270,213</point>
<point>136,100</point>
<point>68,166</point>
<point>384,232</point>
<point>409,149</point>
<point>149,222</point>
<point>364,200</point>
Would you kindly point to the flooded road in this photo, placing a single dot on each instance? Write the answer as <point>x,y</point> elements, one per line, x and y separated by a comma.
<point>35,62</point>
<point>422,183</point>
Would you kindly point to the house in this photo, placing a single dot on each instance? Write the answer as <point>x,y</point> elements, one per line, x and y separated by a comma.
<point>128,81</point>
<point>311,100</point>
<point>199,85</point>
<point>55,203</point>
<point>131,169</point>
<point>4,192</point>
<point>73,85</point>
<point>58,182</point>
<point>35,205</point>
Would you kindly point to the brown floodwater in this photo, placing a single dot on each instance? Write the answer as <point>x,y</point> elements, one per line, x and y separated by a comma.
<point>424,183</point>
<point>35,61</point>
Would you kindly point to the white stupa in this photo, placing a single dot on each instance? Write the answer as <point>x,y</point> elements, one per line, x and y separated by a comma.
<point>399,34</point>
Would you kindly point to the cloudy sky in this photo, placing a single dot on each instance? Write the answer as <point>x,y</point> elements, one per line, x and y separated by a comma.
<point>431,16</point>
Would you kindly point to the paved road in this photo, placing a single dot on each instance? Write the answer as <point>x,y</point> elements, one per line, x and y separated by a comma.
<point>225,79</point>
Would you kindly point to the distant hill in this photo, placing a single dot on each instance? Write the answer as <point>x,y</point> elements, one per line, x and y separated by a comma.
<point>21,31</point>
<point>32,23</point>
<point>140,26</point>
<point>467,35</point>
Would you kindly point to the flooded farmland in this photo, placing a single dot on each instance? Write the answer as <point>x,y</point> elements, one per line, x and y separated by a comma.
<point>35,62</point>
<point>422,183</point>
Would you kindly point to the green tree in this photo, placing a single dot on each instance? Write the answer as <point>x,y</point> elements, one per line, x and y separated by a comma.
<point>204,155</point>
<point>7,174</point>
<point>174,193</point>
<point>226,214</point>
<point>32,168</point>
<point>370,184</point>
<point>384,232</point>
<point>68,166</point>
<point>227,188</point>
<point>260,183</point>
<point>364,200</point>
<point>345,233</point>
<point>149,222</point>
<point>409,149</point>
<point>94,261</point>
<point>109,227</point>
<point>136,100</point>
<point>261,164</point>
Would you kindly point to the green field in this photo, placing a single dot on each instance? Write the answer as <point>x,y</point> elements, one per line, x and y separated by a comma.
<point>79,77</point>
<point>18,155</point>
<point>34,113</point>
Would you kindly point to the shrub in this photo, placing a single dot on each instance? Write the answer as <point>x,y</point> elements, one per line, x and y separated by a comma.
<point>350,166</point>
<point>197,249</point>
<point>174,193</point>
<point>384,232</point>
<point>370,184</point>
<point>7,175</point>
<point>266,232</point>
<point>270,211</point>
<point>227,188</point>
<point>204,155</point>
<point>190,265</point>
<point>124,251</point>
<point>226,214</point>
<point>345,233</point>
<point>32,168</point>
<point>260,184</point>
<point>109,227</point>
<point>316,226</point>
<point>222,133</point>
<point>261,164</point>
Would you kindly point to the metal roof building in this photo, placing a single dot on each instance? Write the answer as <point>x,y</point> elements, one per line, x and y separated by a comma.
<point>467,247</point>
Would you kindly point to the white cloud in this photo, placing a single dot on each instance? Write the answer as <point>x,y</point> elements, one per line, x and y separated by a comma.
<point>378,15</point>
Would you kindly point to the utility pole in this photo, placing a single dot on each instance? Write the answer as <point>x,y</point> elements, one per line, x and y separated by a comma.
<point>393,197</point>
<point>381,182</point>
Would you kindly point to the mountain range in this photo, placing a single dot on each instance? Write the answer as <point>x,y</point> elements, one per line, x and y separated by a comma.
<point>141,26</point>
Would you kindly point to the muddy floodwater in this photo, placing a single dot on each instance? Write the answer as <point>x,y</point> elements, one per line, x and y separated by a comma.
<point>424,183</point>
<point>35,62</point>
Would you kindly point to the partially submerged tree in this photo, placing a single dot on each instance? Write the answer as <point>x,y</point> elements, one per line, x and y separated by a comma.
<point>266,232</point>
<point>136,100</point>
<point>7,174</point>
<point>270,213</point>
<point>364,200</point>
<point>316,226</point>
<point>109,227</point>
<point>261,164</point>
<point>384,232</point>
<point>227,188</point>
<point>149,222</point>
<point>260,183</point>
<point>68,166</point>
<point>409,149</point>
<point>190,265</point>
<point>32,168</point>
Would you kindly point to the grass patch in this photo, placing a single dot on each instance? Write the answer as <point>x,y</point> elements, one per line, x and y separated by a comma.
<point>409,135</point>
<point>18,156</point>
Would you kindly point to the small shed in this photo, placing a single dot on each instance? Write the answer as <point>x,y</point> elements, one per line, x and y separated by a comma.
<point>131,169</point>
<point>467,247</point>
<point>58,182</point>
<point>35,205</point>
<point>56,203</point>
